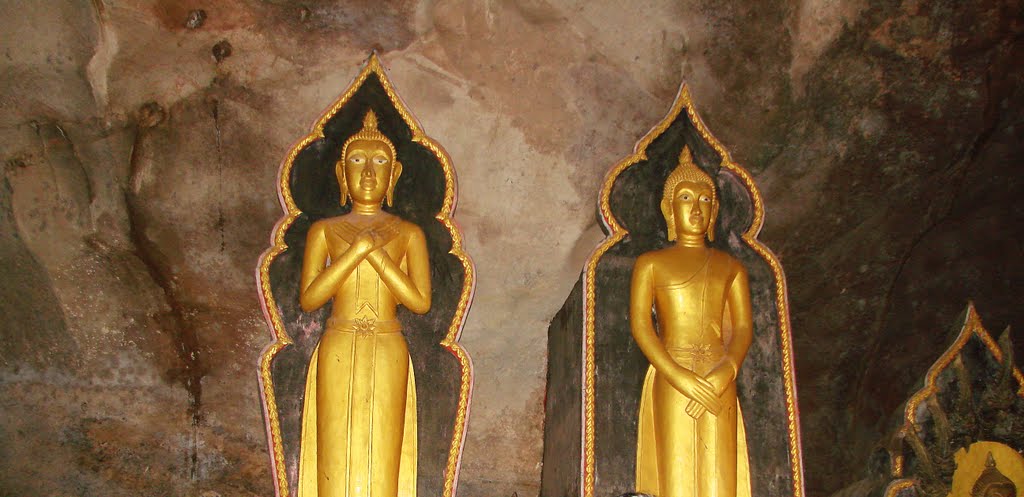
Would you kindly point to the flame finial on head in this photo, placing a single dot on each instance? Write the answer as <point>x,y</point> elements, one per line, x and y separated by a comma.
<point>687,170</point>
<point>369,132</point>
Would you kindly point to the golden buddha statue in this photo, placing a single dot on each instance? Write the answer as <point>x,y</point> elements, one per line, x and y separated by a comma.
<point>691,441</point>
<point>359,412</point>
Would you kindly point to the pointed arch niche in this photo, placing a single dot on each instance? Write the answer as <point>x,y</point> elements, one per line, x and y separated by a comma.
<point>425,195</point>
<point>596,370</point>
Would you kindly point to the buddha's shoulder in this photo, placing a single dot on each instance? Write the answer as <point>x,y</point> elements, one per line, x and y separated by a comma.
<point>726,260</point>
<point>330,230</point>
<point>349,219</point>
<point>405,225</point>
<point>328,224</point>
<point>723,256</point>
<point>655,257</point>
<point>407,228</point>
<point>668,255</point>
<point>346,223</point>
<point>321,225</point>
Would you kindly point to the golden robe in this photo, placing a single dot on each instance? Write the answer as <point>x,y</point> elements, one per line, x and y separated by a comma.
<point>349,441</point>
<point>699,348</point>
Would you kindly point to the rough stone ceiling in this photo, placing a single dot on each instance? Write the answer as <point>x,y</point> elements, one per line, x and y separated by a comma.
<point>139,188</point>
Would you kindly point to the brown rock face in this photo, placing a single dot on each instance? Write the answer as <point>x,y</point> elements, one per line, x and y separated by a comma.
<point>139,188</point>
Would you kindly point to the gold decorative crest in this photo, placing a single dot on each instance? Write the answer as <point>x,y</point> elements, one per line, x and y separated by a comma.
<point>272,313</point>
<point>911,423</point>
<point>617,233</point>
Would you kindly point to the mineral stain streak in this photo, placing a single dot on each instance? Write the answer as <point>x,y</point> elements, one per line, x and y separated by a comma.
<point>175,320</point>
<point>221,220</point>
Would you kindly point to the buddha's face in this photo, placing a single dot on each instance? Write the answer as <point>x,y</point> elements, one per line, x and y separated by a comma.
<point>368,166</point>
<point>692,208</point>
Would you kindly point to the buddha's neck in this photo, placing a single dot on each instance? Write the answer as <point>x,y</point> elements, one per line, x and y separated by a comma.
<point>690,241</point>
<point>365,209</point>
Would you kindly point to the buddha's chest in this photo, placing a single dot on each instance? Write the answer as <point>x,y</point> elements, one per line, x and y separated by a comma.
<point>341,235</point>
<point>688,291</point>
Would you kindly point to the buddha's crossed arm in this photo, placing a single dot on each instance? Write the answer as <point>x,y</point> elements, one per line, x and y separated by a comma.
<point>412,288</point>
<point>320,281</point>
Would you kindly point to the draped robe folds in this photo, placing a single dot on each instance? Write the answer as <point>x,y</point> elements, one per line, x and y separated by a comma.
<point>356,370</point>
<point>706,338</point>
<point>360,401</point>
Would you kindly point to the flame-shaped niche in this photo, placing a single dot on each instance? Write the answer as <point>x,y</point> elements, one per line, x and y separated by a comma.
<point>425,195</point>
<point>596,370</point>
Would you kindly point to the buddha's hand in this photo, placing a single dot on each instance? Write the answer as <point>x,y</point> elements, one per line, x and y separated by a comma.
<point>721,377</point>
<point>364,242</point>
<point>382,235</point>
<point>372,238</point>
<point>694,409</point>
<point>699,390</point>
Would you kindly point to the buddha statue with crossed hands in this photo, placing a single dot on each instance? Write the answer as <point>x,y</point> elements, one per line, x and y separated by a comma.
<point>359,411</point>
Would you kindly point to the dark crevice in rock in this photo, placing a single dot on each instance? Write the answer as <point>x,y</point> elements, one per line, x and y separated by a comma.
<point>71,180</point>
<point>961,166</point>
<point>946,221</point>
<point>192,369</point>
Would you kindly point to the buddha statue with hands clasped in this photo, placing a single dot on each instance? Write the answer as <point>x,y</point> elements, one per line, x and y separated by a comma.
<point>691,441</point>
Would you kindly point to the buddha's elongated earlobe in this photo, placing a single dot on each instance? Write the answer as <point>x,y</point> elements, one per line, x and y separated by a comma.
<point>714,220</point>
<point>670,219</point>
<point>396,171</point>
<point>339,171</point>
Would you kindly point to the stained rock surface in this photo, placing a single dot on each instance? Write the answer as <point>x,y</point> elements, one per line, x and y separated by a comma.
<point>140,149</point>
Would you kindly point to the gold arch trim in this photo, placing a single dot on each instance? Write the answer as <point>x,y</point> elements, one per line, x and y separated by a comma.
<point>683,102</point>
<point>278,246</point>
<point>972,327</point>
<point>898,486</point>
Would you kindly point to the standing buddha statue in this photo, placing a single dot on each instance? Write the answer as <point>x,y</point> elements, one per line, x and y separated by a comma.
<point>691,441</point>
<point>359,410</point>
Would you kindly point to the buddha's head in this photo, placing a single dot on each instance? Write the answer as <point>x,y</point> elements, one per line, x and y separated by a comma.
<point>367,170</point>
<point>992,482</point>
<point>690,200</point>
